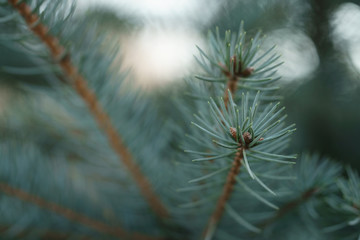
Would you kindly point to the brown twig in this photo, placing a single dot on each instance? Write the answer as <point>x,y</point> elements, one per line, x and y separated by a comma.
<point>81,87</point>
<point>227,190</point>
<point>289,207</point>
<point>71,215</point>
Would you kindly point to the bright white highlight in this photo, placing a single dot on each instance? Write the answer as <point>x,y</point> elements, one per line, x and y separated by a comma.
<point>298,54</point>
<point>158,56</point>
<point>346,34</point>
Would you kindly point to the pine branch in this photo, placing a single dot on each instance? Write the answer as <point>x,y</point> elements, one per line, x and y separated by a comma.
<point>253,137</point>
<point>227,190</point>
<point>237,162</point>
<point>313,188</point>
<point>79,84</point>
<point>250,137</point>
<point>235,169</point>
<point>238,64</point>
<point>289,207</point>
<point>346,207</point>
<point>71,215</point>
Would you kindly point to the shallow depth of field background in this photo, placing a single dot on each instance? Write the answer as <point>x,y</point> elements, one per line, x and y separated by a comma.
<point>319,41</point>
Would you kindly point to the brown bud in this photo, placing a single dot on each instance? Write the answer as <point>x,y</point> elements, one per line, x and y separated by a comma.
<point>247,137</point>
<point>233,132</point>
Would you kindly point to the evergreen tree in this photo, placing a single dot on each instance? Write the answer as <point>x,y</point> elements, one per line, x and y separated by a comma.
<point>86,155</point>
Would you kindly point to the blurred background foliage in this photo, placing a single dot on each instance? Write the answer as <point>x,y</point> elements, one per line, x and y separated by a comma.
<point>318,39</point>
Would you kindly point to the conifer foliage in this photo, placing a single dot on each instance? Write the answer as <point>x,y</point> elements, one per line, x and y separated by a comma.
<point>84,155</point>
